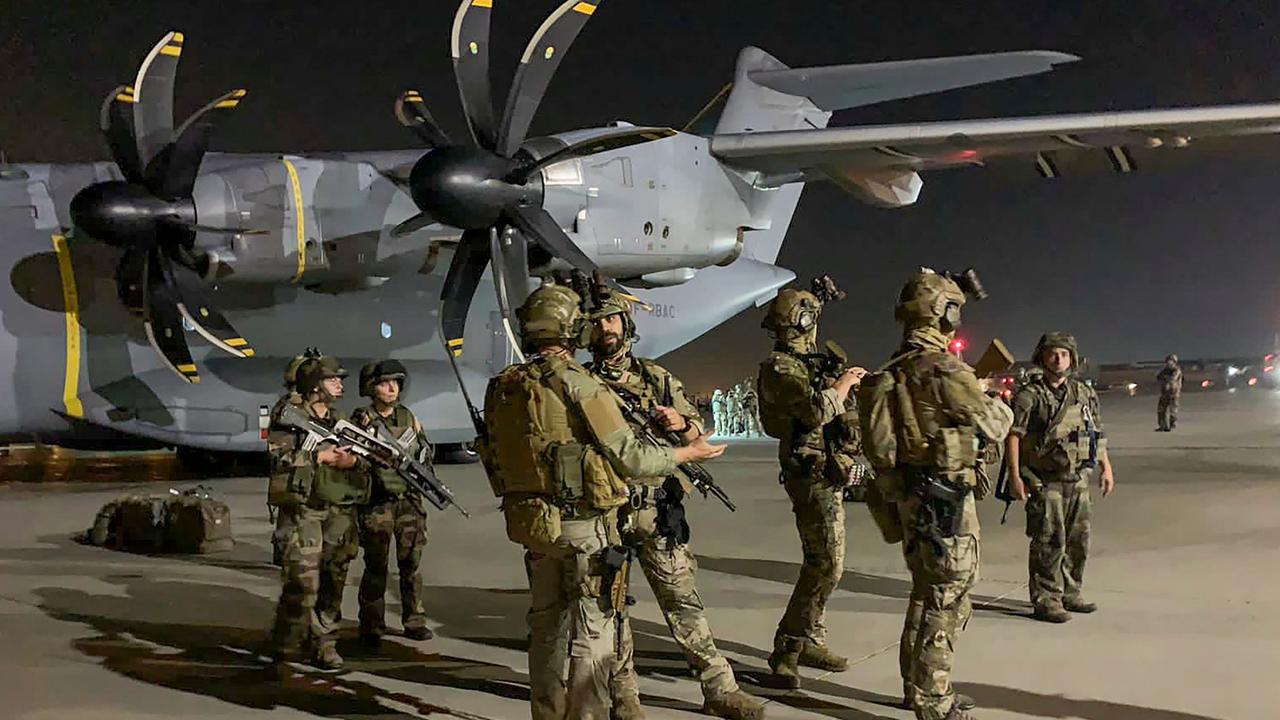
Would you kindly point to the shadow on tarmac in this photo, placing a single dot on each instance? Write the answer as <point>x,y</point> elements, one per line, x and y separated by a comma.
<point>1033,704</point>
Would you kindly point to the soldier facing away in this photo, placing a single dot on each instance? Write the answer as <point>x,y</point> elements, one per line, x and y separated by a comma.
<point>1170,380</point>
<point>392,512</point>
<point>923,417</point>
<point>1055,445</point>
<point>318,491</point>
<point>558,452</point>
<point>654,522</point>
<point>795,410</point>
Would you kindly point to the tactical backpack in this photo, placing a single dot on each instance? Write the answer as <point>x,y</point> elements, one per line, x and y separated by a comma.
<point>130,522</point>
<point>196,524</point>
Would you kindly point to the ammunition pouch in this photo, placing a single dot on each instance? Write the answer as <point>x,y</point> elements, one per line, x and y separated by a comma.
<point>669,502</point>
<point>941,514</point>
<point>532,521</point>
<point>885,514</point>
<point>582,476</point>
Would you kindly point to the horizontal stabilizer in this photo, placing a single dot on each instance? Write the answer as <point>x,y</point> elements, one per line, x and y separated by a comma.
<point>839,87</point>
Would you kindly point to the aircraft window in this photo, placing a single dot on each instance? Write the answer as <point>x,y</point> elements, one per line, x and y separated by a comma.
<point>386,330</point>
<point>648,228</point>
<point>568,172</point>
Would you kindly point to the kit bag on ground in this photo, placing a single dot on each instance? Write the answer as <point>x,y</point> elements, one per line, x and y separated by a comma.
<point>188,522</point>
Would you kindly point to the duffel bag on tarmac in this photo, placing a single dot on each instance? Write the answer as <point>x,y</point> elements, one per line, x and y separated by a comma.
<point>130,522</point>
<point>195,523</point>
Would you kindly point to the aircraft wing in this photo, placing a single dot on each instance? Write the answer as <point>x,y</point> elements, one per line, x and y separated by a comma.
<point>881,162</point>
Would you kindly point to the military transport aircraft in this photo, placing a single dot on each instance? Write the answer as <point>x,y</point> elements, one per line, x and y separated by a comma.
<point>158,297</point>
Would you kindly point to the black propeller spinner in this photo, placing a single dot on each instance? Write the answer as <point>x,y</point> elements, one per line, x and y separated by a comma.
<point>494,187</point>
<point>151,213</point>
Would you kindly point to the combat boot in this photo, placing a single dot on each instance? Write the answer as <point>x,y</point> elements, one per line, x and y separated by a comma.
<point>1079,605</point>
<point>785,661</point>
<point>958,714</point>
<point>820,656</point>
<point>1051,613</point>
<point>326,657</point>
<point>963,702</point>
<point>735,705</point>
<point>418,632</point>
<point>627,708</point>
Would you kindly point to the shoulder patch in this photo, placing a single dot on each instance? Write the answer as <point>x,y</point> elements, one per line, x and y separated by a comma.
<point>601,412</point>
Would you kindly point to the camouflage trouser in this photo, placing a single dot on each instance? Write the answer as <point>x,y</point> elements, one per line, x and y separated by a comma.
<point>319,547</point>
<point>403,520</point>
<point>571,631</point>
<point>943,571</point>
<point>1167,411</point>
<point>819,509</point>
<point>670,568</point>
<point>1058,525</point>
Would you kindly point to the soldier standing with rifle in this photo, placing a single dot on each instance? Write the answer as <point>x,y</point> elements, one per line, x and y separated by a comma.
<point>280,537</point>
<point>1054,447</point>
<point>796,406</point>
<point>923,417</point>
<point>654,522</point>
<point>317,490</point>
<point>392,511</point>
<point>559,453</point>
<point>1170,381</point>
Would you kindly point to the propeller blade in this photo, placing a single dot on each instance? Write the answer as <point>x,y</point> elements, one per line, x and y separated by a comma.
<point>412,112</point>
<point>591,146</point>
<point>116,121</point>
<point>172,173</point>
<point>412,225</point>
<point>197,227</point>
<point>538,65</point>
<point>469,260</point>
<point>538,226</point>
<point>469,45</point>
<point>153,98</point>
<point>510,278</point>
<point>163,321</point>
<point>196,307</point>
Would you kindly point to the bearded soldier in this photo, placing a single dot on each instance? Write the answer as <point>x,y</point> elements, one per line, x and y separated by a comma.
<point>1170,380</point>
<point>392,512</point>
<point>318,491</point>
<point>655,519</point>
<point>795,407</point>
<point>1055,445</point>
<point>923,417</point>
<point>559,453</point>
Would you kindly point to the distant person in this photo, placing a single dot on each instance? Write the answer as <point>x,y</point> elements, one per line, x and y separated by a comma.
<point>1055,445</point>
<point>1170,379</point>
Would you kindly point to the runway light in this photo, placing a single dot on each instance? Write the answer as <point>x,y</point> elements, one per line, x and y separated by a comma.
<point>1206,384</point>
<point>1269,357</point>
<point>1269,368</point>
<point>1133,386</point>
<point>1253,381</point>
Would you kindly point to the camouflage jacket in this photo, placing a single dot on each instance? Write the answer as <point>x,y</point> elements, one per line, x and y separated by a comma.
<point>402,427</point>
<point>1061,429</point>
<point>1170,379</point>
<point>792,408</point>
<point>641,387</point>
<point>297,478</point>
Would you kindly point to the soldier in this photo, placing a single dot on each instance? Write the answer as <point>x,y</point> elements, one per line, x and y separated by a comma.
<point>318,491</point>
<point>1170,379</point>
<point>558,452</point>
<point>718,417</point>
<point>392,512</point>
<point>655,520</point>
<point>751,410</point>
<point>923,417</point>
<point>795,410</point>
<point>1055,445</point>
<point>280,537</point>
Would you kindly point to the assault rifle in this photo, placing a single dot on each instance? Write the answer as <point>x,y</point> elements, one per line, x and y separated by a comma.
<point>421,479</point>
<point>696,474</point>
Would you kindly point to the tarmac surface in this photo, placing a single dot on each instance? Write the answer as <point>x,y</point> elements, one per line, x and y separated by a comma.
<point>1183,567</point>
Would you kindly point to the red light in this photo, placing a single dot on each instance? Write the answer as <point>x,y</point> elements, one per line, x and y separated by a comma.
<point>1253,381</point>
<point>1007,381</point>
<point>1206,383</point>
<point>1269,368</point>
<point>1269,357</point>
<point>957,345</point>
<point>1007,394</point>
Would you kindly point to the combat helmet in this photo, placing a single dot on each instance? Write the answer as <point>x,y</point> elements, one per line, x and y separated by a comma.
<point>1171,359</point>
<point>1066,341</point>
<point>291,370</point>
<point>315,370</point>
<point>925,299</point>
<point>553,314</point>
<point>792,314</point>
<point>612,302</point>
<point>376,372</point>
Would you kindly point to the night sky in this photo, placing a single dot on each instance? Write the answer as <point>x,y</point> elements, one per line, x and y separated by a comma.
<point>1180,257</point>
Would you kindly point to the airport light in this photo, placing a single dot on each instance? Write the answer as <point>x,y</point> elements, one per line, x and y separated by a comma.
<point>1253,381</point>
<point>1206,384</point>
<point>957,346</point>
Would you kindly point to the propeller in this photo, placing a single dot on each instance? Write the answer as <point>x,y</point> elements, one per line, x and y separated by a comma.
<point>492,188</point>
<point>151,214</point>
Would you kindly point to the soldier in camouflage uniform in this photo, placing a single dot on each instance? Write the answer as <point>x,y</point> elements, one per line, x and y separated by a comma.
<point>654,523</point>
<point>719,416</point>
<point>1055,445</point>
<point>318,490</point>
<point>283,528</point>
<point>559,453</point>
<point>392,512</point>
<point>923,416</point>
<point>1170,380</point>
<point>795,410</point>
<point>751,410</point>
